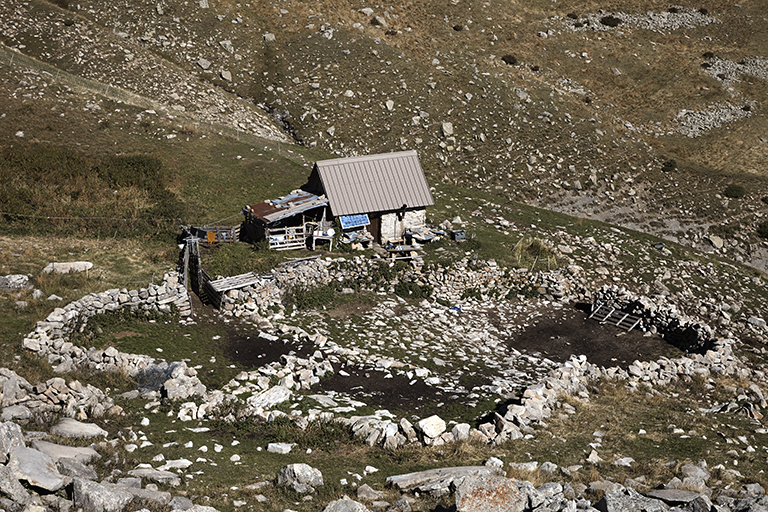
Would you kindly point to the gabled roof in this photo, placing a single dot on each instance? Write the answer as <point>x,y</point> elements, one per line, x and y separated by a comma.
<point>374,183</point>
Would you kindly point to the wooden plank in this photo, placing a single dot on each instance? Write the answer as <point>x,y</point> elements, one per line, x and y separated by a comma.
<point>234,282</point>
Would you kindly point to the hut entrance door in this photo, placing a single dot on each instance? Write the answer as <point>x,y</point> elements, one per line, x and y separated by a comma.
<point>373,227</point>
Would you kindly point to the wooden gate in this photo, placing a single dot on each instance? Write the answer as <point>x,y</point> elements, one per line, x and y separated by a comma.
<point>285,239</point>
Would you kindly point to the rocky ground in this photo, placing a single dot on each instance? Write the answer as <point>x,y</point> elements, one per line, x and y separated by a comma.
<point>403,372</point>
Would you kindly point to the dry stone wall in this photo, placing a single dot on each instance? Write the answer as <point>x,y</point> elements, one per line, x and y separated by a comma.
<point>450,283</point>
<point>660,316</point>
<point>50,339</point>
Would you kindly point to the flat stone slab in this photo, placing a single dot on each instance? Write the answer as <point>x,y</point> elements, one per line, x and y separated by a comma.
<point>175,464</point>
<point>84,454</point>
<point>438,479</point>
<point>161,477</point>
<point>36,468</point>
<point>69,427</point>
<point>674,496</point>
<point>345,505</point>
<point>65,267</point>
<point>269,398</point>
<point>147,496</point>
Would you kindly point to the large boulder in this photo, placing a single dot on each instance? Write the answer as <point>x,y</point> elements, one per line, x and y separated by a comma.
<point>36,468</point>
<point>302,478</point>
<point>269,398</point>
<point>75,469</point>
<point>94,497</point>
<point>13,282</point>
<point>83,454</point>
<point>432,427</point>
<point>182,383</point>
<point>489,494</point>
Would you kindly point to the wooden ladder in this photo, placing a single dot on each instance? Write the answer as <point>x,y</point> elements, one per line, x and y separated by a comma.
<point>608,315</point>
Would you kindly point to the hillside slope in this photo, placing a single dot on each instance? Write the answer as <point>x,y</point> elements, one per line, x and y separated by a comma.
<point>574,109</point>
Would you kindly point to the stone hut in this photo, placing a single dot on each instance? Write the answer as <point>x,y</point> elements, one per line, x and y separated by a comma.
<point>385,193</point>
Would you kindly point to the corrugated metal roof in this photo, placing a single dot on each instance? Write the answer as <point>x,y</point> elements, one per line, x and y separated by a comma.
<point>374,183</point>
<point>296,202</point>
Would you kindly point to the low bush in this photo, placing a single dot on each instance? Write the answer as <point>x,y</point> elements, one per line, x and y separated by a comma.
<point>509,59</point>
<point>669,165</point>
<point>411,290</point>
<point>762,229</point>
<point>304,297</point>
<point>610,21</point>
<point>140,171</point>
<point>734,191</point>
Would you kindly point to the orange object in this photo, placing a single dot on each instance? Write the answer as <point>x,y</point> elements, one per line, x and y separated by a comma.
<point>211,236</point>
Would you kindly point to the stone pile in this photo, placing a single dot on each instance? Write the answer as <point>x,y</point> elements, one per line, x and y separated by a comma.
<point>22,401</point>
<point>49,336</point>
<point>59,477</point>
<point>656,21</point>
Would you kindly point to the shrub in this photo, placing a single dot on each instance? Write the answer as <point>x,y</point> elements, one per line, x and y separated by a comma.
<point>472,244</point>
<point>669,166</point>
<point>610,21</point>
<point>410,290</point>
<point>303,297</point>
<point>762,229</point>
<point>734,191</point>
<point>471,293</point>
<point>509,59</point>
